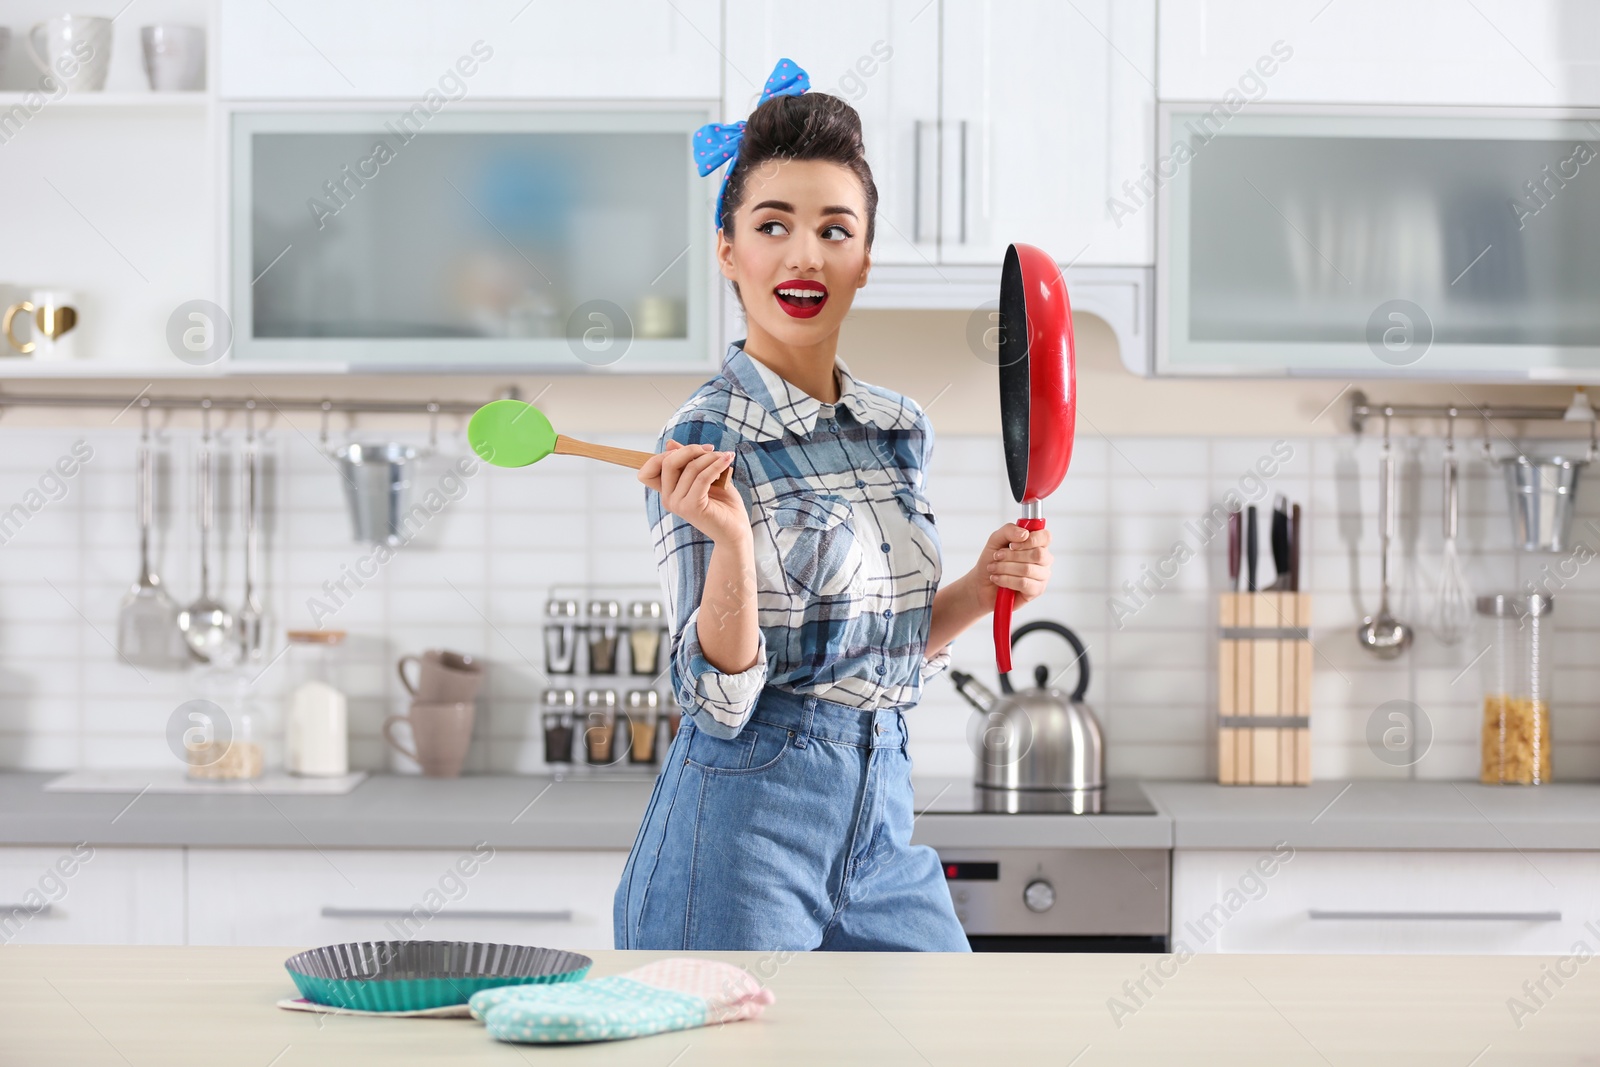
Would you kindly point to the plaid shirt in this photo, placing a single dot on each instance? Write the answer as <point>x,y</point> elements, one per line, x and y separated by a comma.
<point>847,557</point>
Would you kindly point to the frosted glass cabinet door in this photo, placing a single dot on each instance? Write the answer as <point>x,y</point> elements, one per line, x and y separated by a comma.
<point>1362,242</point>
<point>484,239</point>
<point>882,56</point>
<point>1048,109</point>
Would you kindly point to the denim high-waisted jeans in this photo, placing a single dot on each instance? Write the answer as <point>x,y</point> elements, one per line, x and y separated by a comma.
<point>796,834</point>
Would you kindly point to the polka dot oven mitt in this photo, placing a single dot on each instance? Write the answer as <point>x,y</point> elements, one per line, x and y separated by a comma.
<point>674,994</point>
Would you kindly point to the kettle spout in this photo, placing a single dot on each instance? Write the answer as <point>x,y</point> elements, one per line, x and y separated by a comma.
<point>973,691</point>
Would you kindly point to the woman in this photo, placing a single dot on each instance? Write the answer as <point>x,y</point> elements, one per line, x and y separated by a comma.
<point>805,600</point>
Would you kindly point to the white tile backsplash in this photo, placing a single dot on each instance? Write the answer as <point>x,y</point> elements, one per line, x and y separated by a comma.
<point>476,577</point>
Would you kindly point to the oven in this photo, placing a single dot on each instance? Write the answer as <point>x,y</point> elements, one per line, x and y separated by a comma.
<point>1061,899</point>
<point>1041,897</point>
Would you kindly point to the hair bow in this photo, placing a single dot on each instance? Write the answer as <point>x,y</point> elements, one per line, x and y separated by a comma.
<point>717,143</point>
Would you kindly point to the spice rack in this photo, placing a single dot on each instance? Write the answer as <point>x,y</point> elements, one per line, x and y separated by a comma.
<point>605,709</point>
<point>1264,689</point>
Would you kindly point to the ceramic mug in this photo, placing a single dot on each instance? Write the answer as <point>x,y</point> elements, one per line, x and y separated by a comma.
<point>75,48</point>
<point>442,734</point>
<point>443,677</point>
<point>174,57</point>
<point>53,316</point>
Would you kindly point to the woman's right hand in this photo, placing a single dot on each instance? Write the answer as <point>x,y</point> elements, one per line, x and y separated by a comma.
<point>684,475</point>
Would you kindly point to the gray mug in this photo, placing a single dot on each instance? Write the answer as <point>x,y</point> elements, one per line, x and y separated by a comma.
<point>441,735</point>
<point>443,677</point>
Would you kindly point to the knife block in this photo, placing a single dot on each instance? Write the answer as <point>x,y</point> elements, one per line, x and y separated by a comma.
<point>1264,689</point>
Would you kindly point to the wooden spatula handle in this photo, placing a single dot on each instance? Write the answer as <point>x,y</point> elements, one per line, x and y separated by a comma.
<point>622,457</point>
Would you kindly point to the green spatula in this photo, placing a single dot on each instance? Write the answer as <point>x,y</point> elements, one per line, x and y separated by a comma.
<point>510,433</point>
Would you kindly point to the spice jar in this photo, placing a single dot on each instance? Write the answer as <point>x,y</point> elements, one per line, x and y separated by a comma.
<point>560,705</point>
<point>1516,689</point>
<point>604,621</point>
<point>561,636</point>
<point>644,637</point>
<point>600,725</point>
<point>642,705</point>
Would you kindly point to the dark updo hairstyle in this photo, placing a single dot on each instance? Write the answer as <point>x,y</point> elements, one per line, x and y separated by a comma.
<point>807,126</point>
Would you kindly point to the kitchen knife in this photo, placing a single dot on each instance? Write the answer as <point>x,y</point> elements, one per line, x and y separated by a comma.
<point>1294,550</point>
<point>1228,681</point>
<point>1280,544</point>
<point>1250,548</point>
<point>1234,519</point>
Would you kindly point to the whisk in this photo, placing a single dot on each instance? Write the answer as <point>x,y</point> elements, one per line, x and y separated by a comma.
<point>1453,610</point>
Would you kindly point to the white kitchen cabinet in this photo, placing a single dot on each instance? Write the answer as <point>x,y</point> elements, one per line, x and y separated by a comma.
<point>91,895</point>
<point>1020,126</point>
<point>1047,109</point>
<point>316,897</point>
<point>1488,52</point>
<point>1386,902</point>
<point>599,49</point>
<point>883,57</point>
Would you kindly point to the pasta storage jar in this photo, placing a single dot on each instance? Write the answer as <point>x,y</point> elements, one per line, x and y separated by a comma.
<point>1516,689</point>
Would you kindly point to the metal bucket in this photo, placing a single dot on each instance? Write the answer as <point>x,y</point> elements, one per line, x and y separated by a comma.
<point>376,485</point>
<point>1543,492</point>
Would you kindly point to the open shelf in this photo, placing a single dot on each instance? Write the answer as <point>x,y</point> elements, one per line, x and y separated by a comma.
<point>23,368</point>
<point>129,101</point>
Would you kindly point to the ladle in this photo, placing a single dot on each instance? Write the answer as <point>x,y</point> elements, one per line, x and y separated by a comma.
<point>207,624</point>
<point>1385,636</point>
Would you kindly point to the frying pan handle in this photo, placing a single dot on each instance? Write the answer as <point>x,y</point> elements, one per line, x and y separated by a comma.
<point>1004,601</point>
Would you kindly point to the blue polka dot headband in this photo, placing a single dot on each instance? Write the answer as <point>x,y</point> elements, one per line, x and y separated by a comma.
<point>717,143</point>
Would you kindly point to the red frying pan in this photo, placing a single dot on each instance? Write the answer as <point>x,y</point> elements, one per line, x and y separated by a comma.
<point>1038,396</point>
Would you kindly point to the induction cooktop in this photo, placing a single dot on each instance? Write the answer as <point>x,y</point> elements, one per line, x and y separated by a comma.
<point>959,796</point>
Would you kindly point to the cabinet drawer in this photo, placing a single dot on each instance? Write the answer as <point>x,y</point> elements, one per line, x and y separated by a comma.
<point>1367,902</point>
<point>88,895</point>
<point>309,897</point>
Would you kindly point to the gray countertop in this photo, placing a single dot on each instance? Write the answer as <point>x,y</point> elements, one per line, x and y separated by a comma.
<point>384,811</point>
<point>534,812</point>
<point>1370,814</point>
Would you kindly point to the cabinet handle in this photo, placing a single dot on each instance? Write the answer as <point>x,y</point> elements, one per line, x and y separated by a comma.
<point>916,182</point>
<point>26,909</point>
<point>564,916</point>
<point>963,181</point>
<point>1441,916</point>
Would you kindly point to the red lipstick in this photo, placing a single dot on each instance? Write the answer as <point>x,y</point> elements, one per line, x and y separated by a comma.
<point>801,299</point>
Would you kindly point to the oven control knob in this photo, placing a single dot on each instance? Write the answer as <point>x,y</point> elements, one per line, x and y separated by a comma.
<point>1040,895</point>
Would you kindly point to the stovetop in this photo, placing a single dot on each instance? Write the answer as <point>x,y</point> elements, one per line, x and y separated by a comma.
<point>959,796</point>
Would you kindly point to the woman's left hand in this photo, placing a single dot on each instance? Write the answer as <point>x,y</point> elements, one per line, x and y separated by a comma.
<point>1015,559</point>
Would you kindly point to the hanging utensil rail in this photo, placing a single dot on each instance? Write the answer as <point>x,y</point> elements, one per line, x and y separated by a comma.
<point>249,403</point>
<point>1361,409</point>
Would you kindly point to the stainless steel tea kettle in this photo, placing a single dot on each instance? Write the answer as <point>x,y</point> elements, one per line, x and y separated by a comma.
<point>1042,738</point>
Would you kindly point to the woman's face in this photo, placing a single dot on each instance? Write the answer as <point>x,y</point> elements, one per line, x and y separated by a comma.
<point>799,249</point>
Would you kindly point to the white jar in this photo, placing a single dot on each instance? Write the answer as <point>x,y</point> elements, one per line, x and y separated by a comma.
<point>317,721</point>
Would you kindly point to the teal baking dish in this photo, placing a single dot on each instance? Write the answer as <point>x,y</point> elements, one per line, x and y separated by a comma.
<point>414,975</point>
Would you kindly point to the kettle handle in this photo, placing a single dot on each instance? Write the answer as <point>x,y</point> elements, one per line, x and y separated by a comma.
<point>1071,639</point>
